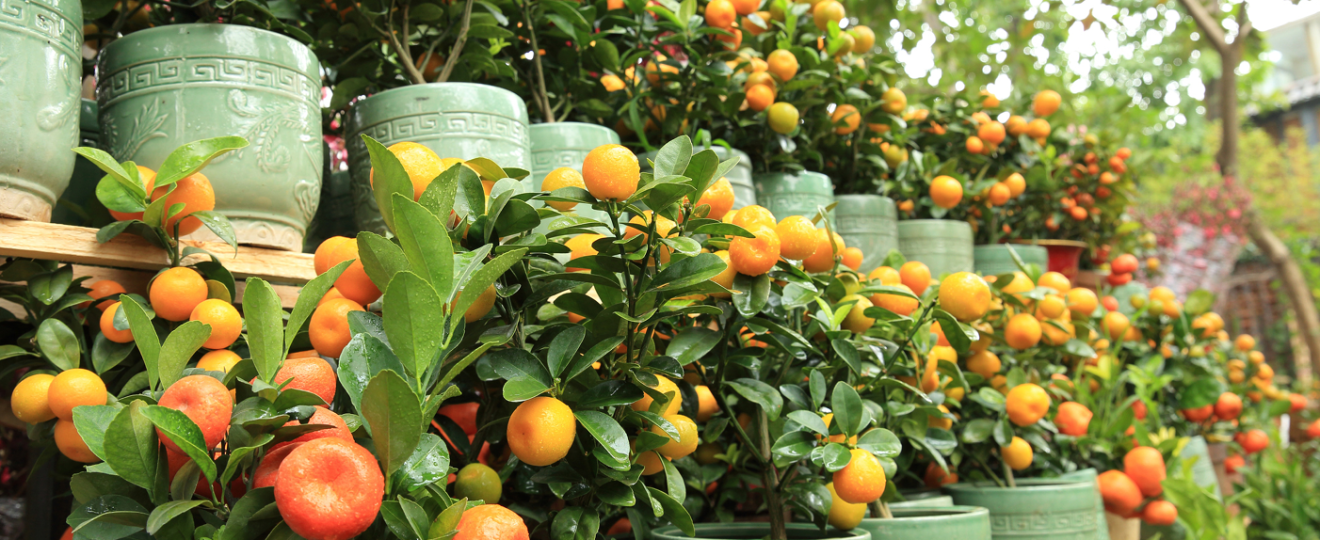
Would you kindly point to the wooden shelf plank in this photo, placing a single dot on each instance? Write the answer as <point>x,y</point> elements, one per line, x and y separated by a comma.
<point>78,245</point>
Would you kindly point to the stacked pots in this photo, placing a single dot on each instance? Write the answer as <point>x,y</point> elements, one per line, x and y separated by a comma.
<point>165,87</point>
<point>944,245</point>
<point>566,144</point>
<point>458,120</point>
<point>1059,509</point>
<point>995,259</point>
<point>870,223</point>
<point>40,74</point>
<point>794,194</point>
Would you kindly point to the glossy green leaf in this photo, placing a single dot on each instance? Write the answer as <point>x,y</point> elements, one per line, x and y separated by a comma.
<point>481,279</point>
<point>362,359</point>
<point>58,343</point>
<point>194,156</point>
<point>264,319</point>
<point>607,432</point>
<point>381,258</point>
<point>107,354</point>
<point>130,446</point>
<point>564,348</point>
<point>428,463</point>
<point>185,434</point>
<point>412,313</point>
<point>178,349</point>
<point>92,422</point>
<point>388,178</point>
<point>308,298</point>
<point>760,393</point>
<point>810,420</point>
<point>163,514</point>
<point>425,242</point>
<point>688,271</point>
<point>394,417</point>
<point>144,335</point>
<point>881,442</point>
<point>750,294</point>
<point>848,412</point>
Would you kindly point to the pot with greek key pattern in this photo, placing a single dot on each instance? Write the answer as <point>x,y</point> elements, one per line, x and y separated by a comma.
<point>995,259</point>
<point>794,194</point>
<point>78,205</point>
<point>164,87</point>
<point>566,144</point>
<point>930,522</point>
<point>944,245</point>
<point>40,74</point>
<point>1058,508</point>
<point>458,120</point>
<point>869,223</point>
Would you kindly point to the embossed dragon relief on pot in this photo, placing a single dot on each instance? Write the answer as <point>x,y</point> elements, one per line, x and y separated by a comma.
<point>124,136</point>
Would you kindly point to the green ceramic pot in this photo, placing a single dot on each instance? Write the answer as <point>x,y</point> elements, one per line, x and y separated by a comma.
<point>1089,475</point>
<point>334,216</point>
<point>953,522</point>
<point>566,144</point>
<point>1054,509</point>
<point>458,120</point>
<point>744,190</point>
<point>870,223</point>
<point>925,498</point>
<point>78,205</point>
<point>1203,470</point>
<point>756,531</point>
<point>994,259</point>
<point>944,245</point>
<point>794,194</point>
<point>165,87</point>
<point>40,81</point>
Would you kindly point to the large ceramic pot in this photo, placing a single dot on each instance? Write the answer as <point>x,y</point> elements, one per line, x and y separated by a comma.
<point>756,531</point>
<point>566,144</point>
<point>870,223</point>
<point>794,194</point>
<point>334,216</point>
<point>78,204</point>
<point>995,259</point>
<point>944,245</point>
<point>954,522</point>
<point>458,120</point>
<point>40,74</point>
<point>1065,255</point>
<point>924,498</point>
<point>744,189</point>
<point>1057,509</point>
<point>165,87</point>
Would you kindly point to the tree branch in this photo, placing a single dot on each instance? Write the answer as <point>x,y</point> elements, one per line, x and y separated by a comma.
<point>1244,30</point>
<point>405,56</point>
<point>1213,31</point>
<point>544,100</point>
<point>458,45</point>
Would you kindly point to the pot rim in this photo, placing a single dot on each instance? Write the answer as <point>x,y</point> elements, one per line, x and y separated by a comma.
<point>1035,485</point>
<point>832,533</point>
<point>312,69</point>
<point>940,513</point>
<point>1050,242</point>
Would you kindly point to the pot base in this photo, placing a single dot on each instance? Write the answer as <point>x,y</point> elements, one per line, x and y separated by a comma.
<point>19,204</point>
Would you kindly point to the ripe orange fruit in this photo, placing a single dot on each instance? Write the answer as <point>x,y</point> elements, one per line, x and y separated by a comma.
<point>846,114</point>
<point>783,117</point>
<point>886,276</point>
<point>1145,466</point>
<point>974,145</point>
<point>856,319</point>
<point>1056,281</point>
<point>916,275</point>
<point>268,471</point>
<point>725,277</point>
<point>746,7</point>
<point>721,14</point>
<point>1046,102</point>
<point>354,283</point>
<point>421,163</point>
<point>760,97</point>
<point>1120,493</point>
<point>1245,342</point>
<point>612,82</point>
<point>1026,404</point>
<point>753,215</point>
<point>706,405</point>
<point>719,197</point>
<point>320,417</point>
<point>1253,441</point>
<point>1161,513</point>
<point>1038,129</point>
<point>862,480</point>
<point>843,515</point>
<point>1199,414</point>
<point>825,12</point>
<point>580,246</point>
<point>1073,418</point>
<point>611,171</point>
<point>324,258</point>
<point>175,292</point>
<point>1016,184</point>
<point>30,401</point>
<point>205,401</point>
<point>309,374</point>
<point>225,322</point>
<point>1000,194</point>
<point>936,476</point>
<point>108,328</point>
<point>71,444</point>
<point>652,462</point>
<point>1051,307</point>
<point>665,386</point>
<point>73,388</point>
<point>1082,302</point>
<point>991,132</point>
<point>195,194</point>
<point>148,179</point>
<point>1116,324</point>
<point>687,437</point>
<point>655,68</point>
<point>105,288</point>
<point>491,522</point>
<point>782,64</point>
<point>754,256</point>
<point>1018,454</point>
<point>893,100</point>
<point>945,192</point>
<point>329,489</point>
<point>901,305</point>
<point>852,258</point>
<point>797,237</point>
<point>1022,332</point>
<point>561,178</point>
<point>827,246</point>
<point>732,40</point>
<point>965,296</point>
<point>863,38</point>
<point>328,328</point>
<point>541,431</point>
<point>329,295</point>
<point>463,414</point>
<point>984,363</point>
<point>222,360</point>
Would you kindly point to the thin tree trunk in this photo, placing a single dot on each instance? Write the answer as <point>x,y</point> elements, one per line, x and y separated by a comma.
<point>1294,284</point>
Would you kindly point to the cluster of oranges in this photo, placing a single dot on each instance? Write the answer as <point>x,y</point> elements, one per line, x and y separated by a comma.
<point>1125,491</point>
<point>176,294</point>
<point>194,192</point>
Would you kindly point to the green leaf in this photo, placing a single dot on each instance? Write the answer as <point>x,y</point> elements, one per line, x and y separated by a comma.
<point>760,393</point>
<point>512,364</point>
<point>521,389</point>
<point>440,193</point>
<point>848,352</point>
<point>678,516</point>
<point>264,319</point>
<point>107,163</point>
<point>688,272</point>
<point>428,463</point>
<point>241,524</point>
<point>107,354</point>
<point>58,343</point>
<point>144,335</point>
<point>412,314</point>
<point>381,258</point>
<point>954,331</point>
<point>394,418</point>
<point>218,224</point>
<point>575,523</point>
<point>1198,302</point>
<point>810,420</point>
<point>1201,392</point>
<point>610,393</point>
<point>92,422</point>
<point>308,298</point>
<point>832,456</point>
<point>848,412</point>
<point>691,344</point>
<point>363,358</point>
<point>51,286</point>
<point>425,242</point>
<point>194,156</point>
<point>179,348</point>
<point>881,442</point>
<point>750,294</point>
<point>388,177</point>
<point>607,432</point>
<point>166,513</point>
<point>481,279</point>
<point>563,348</point>
<point>87,486</point>
<point>978,430</point>
<point>594,354</point>
<point>672,159</point>
<point>185,434</point>
<point>109,516</point>
<point>130,446</point>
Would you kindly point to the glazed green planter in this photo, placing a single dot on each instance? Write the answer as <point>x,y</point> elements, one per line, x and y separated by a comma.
<point>931,523</point>
<point>334,216</point>
<point>78,204</point>
<point>40,76</point>
<point>458,120</point>
<point>1203,470</point>
<point>1089,475</point>
<point>870,223</point>
<point>1054,509</point>
<point>165,87</point>
<point>756,531</point>
<point>744,190</point>
<point>925,498</point>
<point>566,144</point>
<point>794,194</point>
<point>995,259</point>
<point>944,245</point>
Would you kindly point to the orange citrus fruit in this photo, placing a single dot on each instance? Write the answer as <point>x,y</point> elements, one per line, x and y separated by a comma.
<point>226,324</point>
<point>329,489</point>
<point>30,401</point>
<point>175,292</point>
<point>828,245</point>
<point>195,194</point>
<point>310,375</point>
<point>1073,418</point>
<point>965,296</point>
<point>1121,495</point>
<point>1082,301</point>
<point>664,386</point>
<point>108,326</point>
<point>148,179</point>
<point>687,437</point>
<point>73,388</point>
<point>753,215</point>
<point>719,197</point>
<point>1027,403</point>
<point>886,276</point>
<point>755,256</point>
<point>725,277</point>
<point>706,405</point>
<point>490,522</point>
<point>797,237</point>
<point>580,246</point>
<point>421,163</point>
<point>1018,454</point>
<point>901,305</point>
<point>105,288</point>
<point>783,117</point>
<point>848,115</point>
<point>206,401</point>
<point>852,257</point>
<point>1145,466</point>
<point>611,172</point>
<point>1046,102</point>
<point>1056,281</point>
<point>561,178</point>
<point>324,258</point>
<point>354,283</point>
<point>760,97</point>
<point>71,444</point>
<point>945,191</point>
<point>984,363</point>
<point>862,480</point>
<point>783,64</point>
<point>721,14</point>
<point>1022,332</point>
<point>328,328</point>
<point>916,275</point>
<point>541,431</point>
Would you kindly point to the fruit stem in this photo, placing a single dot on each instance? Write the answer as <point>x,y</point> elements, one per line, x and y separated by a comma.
<point>1008,474</point>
